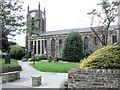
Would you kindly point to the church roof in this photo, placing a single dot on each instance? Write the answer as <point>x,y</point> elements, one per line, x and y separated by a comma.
<point>66,31</point>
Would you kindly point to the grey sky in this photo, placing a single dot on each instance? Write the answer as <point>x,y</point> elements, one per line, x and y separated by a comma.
<point>61,14</point>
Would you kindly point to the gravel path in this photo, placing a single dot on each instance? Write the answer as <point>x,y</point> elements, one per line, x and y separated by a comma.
<point>49,80</point>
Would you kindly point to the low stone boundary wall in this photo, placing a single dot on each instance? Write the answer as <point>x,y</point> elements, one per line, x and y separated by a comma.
<point>10,69</point>
<point>10,76</point>
<point>99,79</point>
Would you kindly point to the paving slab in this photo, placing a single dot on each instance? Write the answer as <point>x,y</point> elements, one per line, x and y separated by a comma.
<point>49,79</point>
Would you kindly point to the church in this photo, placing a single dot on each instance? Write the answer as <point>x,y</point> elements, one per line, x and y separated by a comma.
<point>50,43</point>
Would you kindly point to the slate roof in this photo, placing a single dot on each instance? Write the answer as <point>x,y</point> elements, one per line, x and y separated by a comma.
<point>66,31</point>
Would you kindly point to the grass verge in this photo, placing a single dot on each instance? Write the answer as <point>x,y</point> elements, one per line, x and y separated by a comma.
<point>55,66</point>
<point>13,63</point>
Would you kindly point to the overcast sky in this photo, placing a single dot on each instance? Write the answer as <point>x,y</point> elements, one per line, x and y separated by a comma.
<point>61,14</point>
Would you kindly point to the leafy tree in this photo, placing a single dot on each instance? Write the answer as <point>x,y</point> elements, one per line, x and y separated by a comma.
<point>12,43</point>
<point>17,52</point>
<point>5,43</point>
<point>73,48</point>
<point>104,16</point>
<point>11,19</point>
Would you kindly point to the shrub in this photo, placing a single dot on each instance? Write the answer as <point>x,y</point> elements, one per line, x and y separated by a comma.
<point>59,57</point>
<point>88,52</point>
<point>42,57</point>
<point>27,55</point>
<point>106,57</point>
<point>64,85</point>
<point>33,58</point>
<point>37,58</point>
<point>17,52</point>
<point>73,48</point>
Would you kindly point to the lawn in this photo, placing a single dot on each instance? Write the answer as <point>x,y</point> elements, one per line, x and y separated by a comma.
<point>13,63</point>
<point>55,66</point>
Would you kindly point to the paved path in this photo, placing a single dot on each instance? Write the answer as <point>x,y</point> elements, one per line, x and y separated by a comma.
<point>49,80</point>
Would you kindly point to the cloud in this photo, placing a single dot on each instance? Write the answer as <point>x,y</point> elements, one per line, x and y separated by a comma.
<point>61,14</point>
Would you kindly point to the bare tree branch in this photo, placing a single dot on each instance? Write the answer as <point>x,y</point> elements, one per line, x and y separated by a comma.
<point>106,17</point>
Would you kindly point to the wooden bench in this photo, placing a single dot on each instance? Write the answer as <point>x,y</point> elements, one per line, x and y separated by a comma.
<point>36,80</point>
<point>10,76</point>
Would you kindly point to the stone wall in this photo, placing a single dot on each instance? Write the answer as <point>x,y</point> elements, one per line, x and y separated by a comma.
<point>10,76</point>
<point>91,43</point>
<point>10,69</point>
<point>99,79</point>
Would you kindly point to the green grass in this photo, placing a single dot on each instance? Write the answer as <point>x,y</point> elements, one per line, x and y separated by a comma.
<point>13,63</point>
<point>55,66</point>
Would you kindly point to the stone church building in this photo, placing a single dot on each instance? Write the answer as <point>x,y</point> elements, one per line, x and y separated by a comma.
<point>50,43</point>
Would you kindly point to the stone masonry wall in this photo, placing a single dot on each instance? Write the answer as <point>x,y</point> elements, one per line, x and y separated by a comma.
<point>94,78</point>
<point>10,69</point>
<point>10,76</point>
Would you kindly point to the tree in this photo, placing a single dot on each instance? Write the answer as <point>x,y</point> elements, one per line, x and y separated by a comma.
<point>73,47</point>
<point>17,52</point>
<point>11,19</point>
<point>104,18</point>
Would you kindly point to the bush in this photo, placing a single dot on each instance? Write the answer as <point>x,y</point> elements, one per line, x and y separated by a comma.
<point>64,85</point>
<point>27,55</point>
<point>88,52</point>
<point>42,57</point>
<point>37,58</point>
<point>106,57</point>
<point>59,57</point>
<point>17,52</point>
<point>73,48</point>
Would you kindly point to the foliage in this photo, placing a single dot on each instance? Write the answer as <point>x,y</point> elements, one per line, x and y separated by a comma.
<point>38,58</point>
<point>13,63</point>
<point>17,52</point>
<point>27,55</point>
<point>106,57</point>
<point>32,27</point>
<point>11,20</point>
<point>64,85</point>
<point>42,57</point>
<point>62,67</point>
<point>5,44</point>
<point>103,17</point>
<point>73,48</point>
<point>88,52</point>
<point>59,57</point>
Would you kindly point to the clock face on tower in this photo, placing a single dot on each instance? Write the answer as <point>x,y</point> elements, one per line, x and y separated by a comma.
<point>32,14</point>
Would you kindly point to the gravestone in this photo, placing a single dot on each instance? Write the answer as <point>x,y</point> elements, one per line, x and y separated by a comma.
<point>7,59</point>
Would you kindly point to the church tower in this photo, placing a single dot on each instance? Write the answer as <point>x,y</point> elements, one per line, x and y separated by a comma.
<point>36,24</point>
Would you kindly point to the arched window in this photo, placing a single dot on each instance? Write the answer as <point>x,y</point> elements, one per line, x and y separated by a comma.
<point>60,44</point>
<point>53,47</point>
<point>86,42</point>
